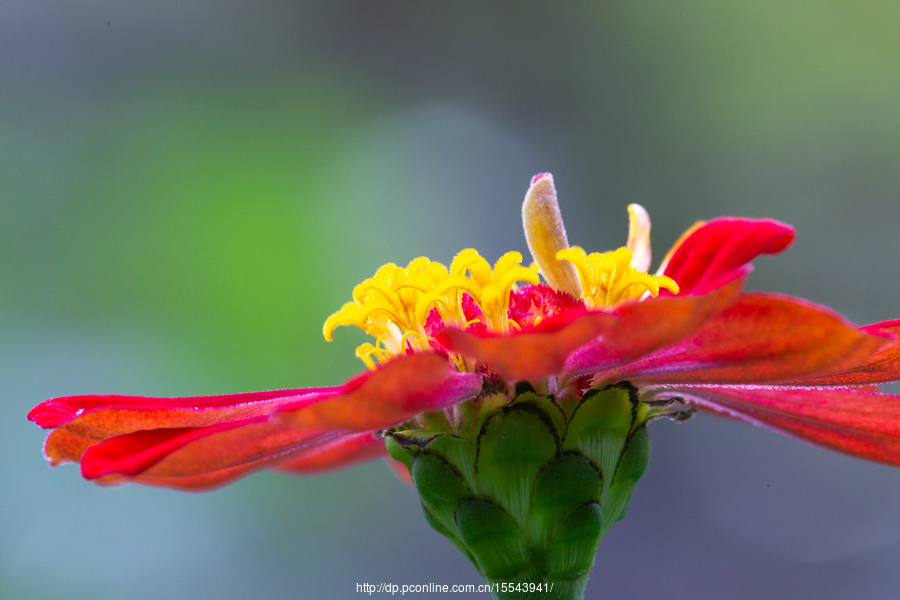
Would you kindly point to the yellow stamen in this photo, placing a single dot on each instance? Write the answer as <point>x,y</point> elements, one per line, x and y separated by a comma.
<point>394,305</point>
<point>610,277</point>
<point>365,352</point>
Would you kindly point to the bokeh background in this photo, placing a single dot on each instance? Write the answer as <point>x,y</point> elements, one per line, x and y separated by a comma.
<point>189,188</point>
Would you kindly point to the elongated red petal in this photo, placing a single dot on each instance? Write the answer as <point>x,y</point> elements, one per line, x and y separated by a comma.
<point>396,392</point>
<point>861,424</point>
<point>643,327</point>
<point>197,483</point>
<point>528,354</point>
<point>340,453</point>
<point>63,446</point>
<point>760,338</point>
<point>196,443</point>
<point>711,255</point>
<point>881,367</point>
<point>99,417</point>
<point>198,457</point>
<point>101,412</point>
<point>136,452</point>
<point>83,421</point>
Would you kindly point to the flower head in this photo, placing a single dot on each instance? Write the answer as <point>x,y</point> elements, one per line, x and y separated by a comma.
<point>686,332</point>
<point>498,391</point>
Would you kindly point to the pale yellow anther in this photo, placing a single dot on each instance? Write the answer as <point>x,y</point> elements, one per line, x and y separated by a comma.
<point>470,260</point>
<point>417,264</point>
<point>364,289</point>
<point>639,237</point>
<point>507,262</point>
<point>445,294</point>
<point>546,235</point>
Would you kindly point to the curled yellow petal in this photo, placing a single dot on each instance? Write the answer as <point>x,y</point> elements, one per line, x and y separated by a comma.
<point>546,234</point>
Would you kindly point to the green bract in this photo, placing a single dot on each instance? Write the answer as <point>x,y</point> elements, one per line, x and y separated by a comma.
<point>528,487</point>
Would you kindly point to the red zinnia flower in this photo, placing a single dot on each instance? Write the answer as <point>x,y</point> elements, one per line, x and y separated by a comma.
<point>445,335</point>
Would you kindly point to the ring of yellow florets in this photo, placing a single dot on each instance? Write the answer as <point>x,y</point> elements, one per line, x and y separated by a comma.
<point>399,306</point>
<point>394,305</point>
<point>609,278</point>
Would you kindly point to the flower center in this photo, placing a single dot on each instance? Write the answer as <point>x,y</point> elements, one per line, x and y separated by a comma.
<point>401,306</point>
<point>609,278</point>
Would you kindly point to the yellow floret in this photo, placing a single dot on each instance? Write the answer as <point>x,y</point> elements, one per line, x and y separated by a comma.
<point>394,304</point>
<point>609,278</point>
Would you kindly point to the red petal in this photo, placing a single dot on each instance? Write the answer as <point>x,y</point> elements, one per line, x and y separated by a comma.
<point>532,353</point>
<point>711,254</point>
<point>643,327</point>
<point>342,452</point>
<point>861,424</point>
<point>120,438</point>
<point>84,421</point>
<point>198,457</point>
<point>760,338</point>
<point>197,483</point>
<point>133,453</point>
<point>881,367</point>
<point>63,446</point>
<point>191,411</point>
<point>401,389</point>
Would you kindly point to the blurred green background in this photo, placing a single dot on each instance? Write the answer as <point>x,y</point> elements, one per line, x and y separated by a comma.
<point>189,188</point>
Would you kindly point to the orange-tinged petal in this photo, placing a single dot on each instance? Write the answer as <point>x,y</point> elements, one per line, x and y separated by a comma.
<point>197,458</point>
<point>861,424</point>
<point>881,367</point>
<point>133,453</point>
<point>394,393</point>
<point>342,452</point>
<point>197,483</point>
<point>138,411</point>
<point>531,353</point>
<point>643,327</point>
<point>196,444</point>
<point>760,338</point>
<point>63,446</point>
<point>83,421</point>
<point>103,416</point>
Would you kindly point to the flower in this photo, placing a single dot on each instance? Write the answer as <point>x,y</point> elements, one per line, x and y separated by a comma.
<point>516,408</point>
<point>444,336</point>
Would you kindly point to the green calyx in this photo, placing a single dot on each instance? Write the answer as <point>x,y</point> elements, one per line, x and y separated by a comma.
<point>527,488</point>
